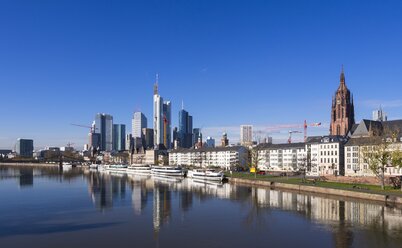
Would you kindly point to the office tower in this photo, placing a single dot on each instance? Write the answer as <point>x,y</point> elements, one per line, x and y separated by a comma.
<point>224,140</point>
<point>24,148</point>
<point>185,132</point>
<point>94,140</point>
<point>379,115</point>
<point>162,120</point>
<point>196,135</point>
<point>119,137</point>
<point>104,124</point>
<point>138,123</point>
<point>148,138</point>
<point>246,135</point>
<point>129,142</point>
<point>158,116</point>
<point>210,142</point>
<point>167,122</point>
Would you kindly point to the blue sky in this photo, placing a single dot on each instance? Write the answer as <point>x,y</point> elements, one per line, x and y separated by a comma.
<point>232,62</point>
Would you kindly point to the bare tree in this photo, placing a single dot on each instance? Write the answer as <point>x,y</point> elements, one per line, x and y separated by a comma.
<point>254,160</point>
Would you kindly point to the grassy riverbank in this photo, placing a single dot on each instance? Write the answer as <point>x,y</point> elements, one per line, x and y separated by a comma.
<point>368,188</point>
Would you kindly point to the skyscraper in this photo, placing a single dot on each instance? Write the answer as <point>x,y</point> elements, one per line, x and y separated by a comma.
<point>138,123</point>
<point>162,120</point>
<point>167,122</point>
<point>196,135</point>
<point>379,115</point>
<point>343,111</point>
<point>185,129</point>
<point>246,135</point>
<point>148,138</point>
<point>119,137</point>
<point>158,116</point>
<point>104,124</point>
<point>24,148</point>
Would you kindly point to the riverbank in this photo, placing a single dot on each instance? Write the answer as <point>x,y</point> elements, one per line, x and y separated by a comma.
<point>359,191</point>
<point>30,164</point>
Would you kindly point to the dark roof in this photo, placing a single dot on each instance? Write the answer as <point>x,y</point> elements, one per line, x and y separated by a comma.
<point>395,125</point>
<point>363,141</point>
<point>208,149</point>
<point>280,146</point>
<point>353,129</point>
<point>377,127</point>
<point>322,139</point>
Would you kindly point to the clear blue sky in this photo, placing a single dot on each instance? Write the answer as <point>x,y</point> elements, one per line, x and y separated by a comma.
<point>232,62</point>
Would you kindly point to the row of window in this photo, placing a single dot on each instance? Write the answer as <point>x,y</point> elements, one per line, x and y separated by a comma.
<point>332,160</point>
<point>325,153</point>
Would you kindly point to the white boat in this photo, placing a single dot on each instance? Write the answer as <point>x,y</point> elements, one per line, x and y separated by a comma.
<point>139,169</point>
<point>93,166</point>
<point>116,167</point>
<point>167,171</point>
<point>67,166</point>
<point>209,175</point>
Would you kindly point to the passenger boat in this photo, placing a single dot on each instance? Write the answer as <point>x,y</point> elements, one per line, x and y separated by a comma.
<point>93,166</point>
<point>139,169</point>
<point>67,166</point>
<point>116,167</point>
<point>168,171</point>
<point>209,175</point>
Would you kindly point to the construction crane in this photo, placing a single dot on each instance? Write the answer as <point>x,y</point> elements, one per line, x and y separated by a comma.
<point>317,124</point>
<point>290,135</point>
<point>92,128</point>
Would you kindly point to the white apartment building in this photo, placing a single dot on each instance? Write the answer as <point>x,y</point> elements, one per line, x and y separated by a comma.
<point>280,157</point>
<point>322,155</point>
<point>223,157</point>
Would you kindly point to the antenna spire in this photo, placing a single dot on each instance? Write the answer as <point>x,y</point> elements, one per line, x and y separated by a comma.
<point>156,84</point>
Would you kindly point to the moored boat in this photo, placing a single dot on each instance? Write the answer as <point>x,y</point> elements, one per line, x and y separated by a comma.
<point>139,169</point>
<point>202,174</point>
<point>168,171</point>
<point>116,167</point>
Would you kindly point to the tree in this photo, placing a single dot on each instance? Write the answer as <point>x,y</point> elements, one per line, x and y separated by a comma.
<point>382,152</point>
<point>254,160</point>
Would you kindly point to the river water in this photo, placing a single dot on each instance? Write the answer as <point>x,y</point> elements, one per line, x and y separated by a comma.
<point>51,208</point>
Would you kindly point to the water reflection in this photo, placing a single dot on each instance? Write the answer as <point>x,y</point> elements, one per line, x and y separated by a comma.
<point>347,220</point>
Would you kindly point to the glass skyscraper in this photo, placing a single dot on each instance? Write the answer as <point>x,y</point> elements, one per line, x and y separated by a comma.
<point>24,148</point>
<point>104,124</point>
<point>119,137</point>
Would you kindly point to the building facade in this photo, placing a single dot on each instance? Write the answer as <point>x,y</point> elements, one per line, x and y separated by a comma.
<point>342,112</point>
<point>139,122</point>
<point>104,124</point>
<point>246,135</point>
<point>368,135</point>
<point>185,132</point>
<point>280,157</point>
<point>148,138</point>
<point>223,157</point>
<point>119,137</point>
<point>24,148</point>
<point>210,142</point>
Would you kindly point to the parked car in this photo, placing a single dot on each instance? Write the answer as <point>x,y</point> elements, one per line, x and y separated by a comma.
<point>261,173</point>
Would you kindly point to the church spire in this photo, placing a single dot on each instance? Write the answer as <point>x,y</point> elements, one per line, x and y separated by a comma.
<point>342,77</point>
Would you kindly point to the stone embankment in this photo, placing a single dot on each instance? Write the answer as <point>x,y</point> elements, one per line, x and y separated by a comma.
<point>391,199</point>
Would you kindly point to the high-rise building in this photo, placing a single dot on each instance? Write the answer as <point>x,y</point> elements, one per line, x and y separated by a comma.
<point>246,135</point>
<point>139,122</point>
<point>343,112</point>
<point>104,124</point>
<point>162,120</point>
<point>379,115</point>
<point>210,142</point>
<point>24,148</point>
<point>185,129</point>
<point>148,138</point>
<point>129,142</point>
<point>224,140</point>
<point>94,140</point>
<point>196,135</point>
<point>119,137</point>
<point>167,122</point>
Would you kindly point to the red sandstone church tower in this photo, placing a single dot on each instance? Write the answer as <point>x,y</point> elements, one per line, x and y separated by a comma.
<point>343,110</point>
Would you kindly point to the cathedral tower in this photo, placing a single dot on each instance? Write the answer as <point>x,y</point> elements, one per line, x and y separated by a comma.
<point>343,111</point>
